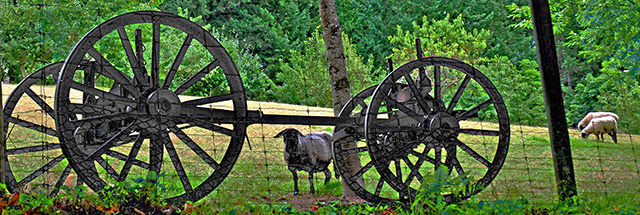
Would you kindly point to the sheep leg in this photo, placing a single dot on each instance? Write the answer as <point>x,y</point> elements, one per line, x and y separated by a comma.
<point>295,181</point>
<point>614,136</point>
<point>327,176</point>
<point>311,189</point>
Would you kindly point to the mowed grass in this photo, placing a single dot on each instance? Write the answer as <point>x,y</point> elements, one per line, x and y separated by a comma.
<point>260,174</point>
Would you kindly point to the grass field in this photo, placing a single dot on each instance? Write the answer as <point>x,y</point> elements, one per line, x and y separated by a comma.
<point>260,174</point>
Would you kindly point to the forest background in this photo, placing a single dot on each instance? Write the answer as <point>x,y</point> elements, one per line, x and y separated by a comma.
<point>278,48</point>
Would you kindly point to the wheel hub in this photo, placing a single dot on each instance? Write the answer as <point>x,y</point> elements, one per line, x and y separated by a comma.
<point>163,103</point>
<point>442,126</point>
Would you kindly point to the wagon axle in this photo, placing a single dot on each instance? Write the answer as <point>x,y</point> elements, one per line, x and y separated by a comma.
<point>416,120</point>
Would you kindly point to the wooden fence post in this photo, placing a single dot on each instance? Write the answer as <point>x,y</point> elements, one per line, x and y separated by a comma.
<point>554,105</point>
<point>2,141</point>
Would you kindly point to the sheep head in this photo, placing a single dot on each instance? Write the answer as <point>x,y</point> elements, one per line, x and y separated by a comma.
<point>584,135</point>
<point>290,136</point>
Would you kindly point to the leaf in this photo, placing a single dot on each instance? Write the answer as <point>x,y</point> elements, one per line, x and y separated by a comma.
<point>14,199</point>
<point>113,209</point>
<point>3,203</point>
<point>188,208</point>
<point>138,211</point>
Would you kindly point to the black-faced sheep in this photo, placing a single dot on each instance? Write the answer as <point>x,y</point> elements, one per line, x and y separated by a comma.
<point>600,126</point>
<point>311,153</point>
<point>585,121</point>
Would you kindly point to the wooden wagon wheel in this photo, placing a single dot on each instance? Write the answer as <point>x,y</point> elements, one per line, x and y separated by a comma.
<point>349,140</point>
<point>437,111</point>
<point>134,115</point>
<point>42,161</point>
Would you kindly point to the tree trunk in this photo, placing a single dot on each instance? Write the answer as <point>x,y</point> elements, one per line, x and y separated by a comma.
<point>340,91</point>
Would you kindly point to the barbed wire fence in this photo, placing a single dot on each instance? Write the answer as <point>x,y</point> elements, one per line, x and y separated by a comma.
<point>603,168</point>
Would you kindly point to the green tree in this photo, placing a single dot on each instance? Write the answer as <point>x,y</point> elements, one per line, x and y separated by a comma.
<point>447,38</point>
<point>268,29</point>
<point>305,79</point>
<point>520,88</point>
<point>35,33</point>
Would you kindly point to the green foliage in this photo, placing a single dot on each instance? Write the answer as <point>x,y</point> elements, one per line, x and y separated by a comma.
<point>624,100</point>
<point>430,199</point>
<point>520,88</point>
<point>256,83</point>
<point>447,38</point>
<point>584,98</point>
<point>305,78</point>
<point>34,34</point>
<point>268,28</point>
<point>370,22</point>
<point>600,33</point>
<point>147,190</point>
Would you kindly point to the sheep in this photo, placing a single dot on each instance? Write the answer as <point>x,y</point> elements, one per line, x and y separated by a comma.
<point>583,123</point>
<point>600,126</point>
<point>311,153</point>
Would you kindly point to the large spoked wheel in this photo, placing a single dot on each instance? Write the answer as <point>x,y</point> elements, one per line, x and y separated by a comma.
<point>118,116</point>
<point>436,112</point>
<point>33,155</point>
<point>350,145</point>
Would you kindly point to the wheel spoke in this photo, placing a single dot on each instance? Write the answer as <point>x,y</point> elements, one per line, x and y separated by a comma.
<point>403,108</point>
<point>123,157</point>
<point>385,126</point>
<point>41,170</point>
<point>204,124</point>
<point>112,141</point>
<point>61,180</point>
<point>416,94</point>
<point>437,88</point>
<point>456,164</point>
<point>467,114</point>
<point>458,94</point>
<point>437,157</point>
<point>398,169</point>
<point>91,109</point>
<point>113,73</point>
<point>379,187</point>
<point>107,118</point>
<point>138,72</point>
<point>209,114</point>
<point>47,109</point>
<point>176,63</point>
<point>212,99</point>
<point>182,174</point>
<point>156,151</point>
<point>473,153</point>
<point>104,95</point>
<point>131,159</point>
<point>31,125</point>
<point>362,170</point>
<point>32,149</point>
<point>423,156</point>
<point>480,132</point>
<point>155,56</point>
<point>414,173</point>
<point>106,166</point>
<point>195,78</point>
<point>195,147</point>
<point>352,151</point>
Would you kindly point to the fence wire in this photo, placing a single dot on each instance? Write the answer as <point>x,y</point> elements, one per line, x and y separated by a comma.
<point>602,168</point>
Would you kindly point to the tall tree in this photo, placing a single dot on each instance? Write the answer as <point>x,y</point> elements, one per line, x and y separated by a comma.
<point>340,91</point>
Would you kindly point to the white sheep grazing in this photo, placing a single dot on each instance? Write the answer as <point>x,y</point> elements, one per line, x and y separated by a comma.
<point>600,126</point>
<point>310,153</point>
<point>583,123</point>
